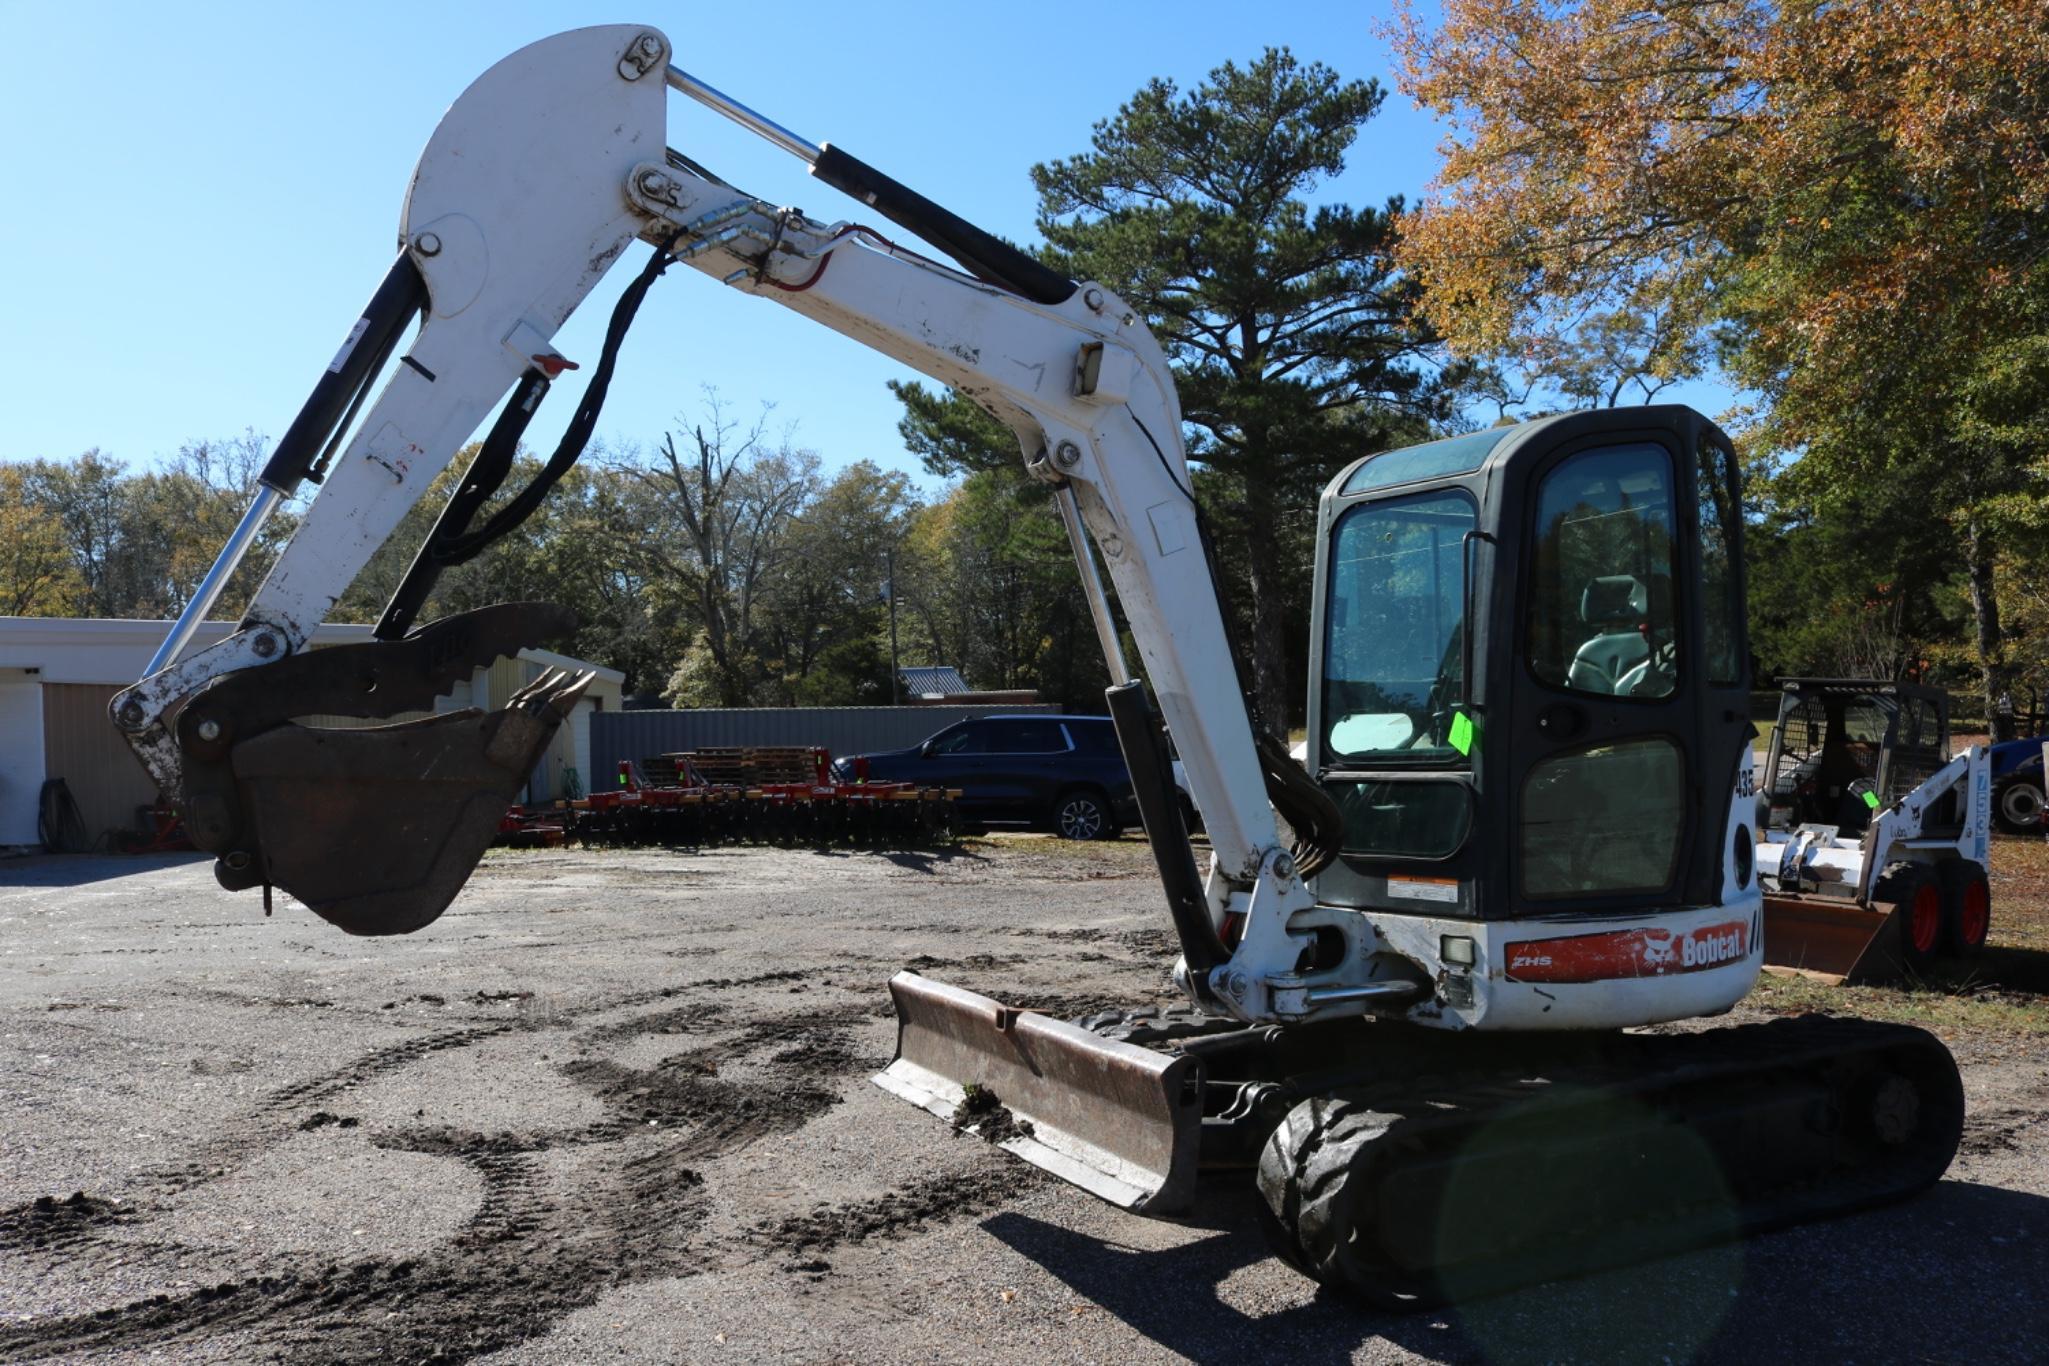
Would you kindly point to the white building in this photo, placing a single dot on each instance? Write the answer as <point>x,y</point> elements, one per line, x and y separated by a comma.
<point>57,675</point>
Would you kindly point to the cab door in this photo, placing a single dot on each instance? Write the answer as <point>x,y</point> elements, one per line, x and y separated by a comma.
<point>1615,746</point>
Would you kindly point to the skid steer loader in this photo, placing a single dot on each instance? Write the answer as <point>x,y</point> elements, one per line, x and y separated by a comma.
<point>1528,827</point>
<point>1873,840</point>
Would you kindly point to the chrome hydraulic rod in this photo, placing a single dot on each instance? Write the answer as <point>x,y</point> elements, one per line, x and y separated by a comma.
<point>1092,586</point>
<point>209,591</point>
<point>739,113</point>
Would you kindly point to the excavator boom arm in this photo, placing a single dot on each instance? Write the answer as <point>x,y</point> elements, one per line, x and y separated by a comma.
<point>537,181</point>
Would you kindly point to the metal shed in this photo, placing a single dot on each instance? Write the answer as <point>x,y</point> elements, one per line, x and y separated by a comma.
<point>57,675</point>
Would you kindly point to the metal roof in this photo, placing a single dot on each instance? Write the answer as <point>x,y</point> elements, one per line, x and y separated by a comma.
<point>923,680</point>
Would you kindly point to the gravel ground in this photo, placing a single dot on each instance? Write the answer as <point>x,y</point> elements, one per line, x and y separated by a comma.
<point>615,1106</point>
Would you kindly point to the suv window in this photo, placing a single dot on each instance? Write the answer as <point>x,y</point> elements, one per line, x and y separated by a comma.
<point>1094,737</point>
<point>1025,737</point>
<point>962,739</point>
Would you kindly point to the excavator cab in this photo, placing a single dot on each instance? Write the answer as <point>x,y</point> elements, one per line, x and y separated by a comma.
<point>1530,672</point>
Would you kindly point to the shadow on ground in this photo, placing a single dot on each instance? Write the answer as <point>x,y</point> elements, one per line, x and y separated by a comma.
<point>1854,1289</point>
<point>81,870</point>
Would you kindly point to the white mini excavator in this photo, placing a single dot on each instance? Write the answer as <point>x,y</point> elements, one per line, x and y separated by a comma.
<point>1524,830</point>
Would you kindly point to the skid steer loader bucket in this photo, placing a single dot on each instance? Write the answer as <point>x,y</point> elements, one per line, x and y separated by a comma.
<point>1834,940</point>
<point>375,829</point>
<point>1120,1121</point>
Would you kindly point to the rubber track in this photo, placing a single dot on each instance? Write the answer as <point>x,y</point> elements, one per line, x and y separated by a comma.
<point>1332,1151</point>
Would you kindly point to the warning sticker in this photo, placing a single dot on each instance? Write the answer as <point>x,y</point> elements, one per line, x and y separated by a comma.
<point>1424,888</point>
<point>1626,953</point>
<point>348,346</point>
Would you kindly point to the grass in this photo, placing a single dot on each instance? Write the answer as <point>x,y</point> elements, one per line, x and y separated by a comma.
<point>1978,1008</point>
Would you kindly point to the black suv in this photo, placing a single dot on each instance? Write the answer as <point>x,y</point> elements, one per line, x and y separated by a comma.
<point>1062,773</point>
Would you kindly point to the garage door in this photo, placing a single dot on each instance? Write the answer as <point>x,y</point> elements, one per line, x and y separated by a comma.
<point>21,755</point>
<point>82,747</point>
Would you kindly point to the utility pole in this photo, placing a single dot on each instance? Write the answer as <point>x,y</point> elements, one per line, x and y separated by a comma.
<point>889,591</point>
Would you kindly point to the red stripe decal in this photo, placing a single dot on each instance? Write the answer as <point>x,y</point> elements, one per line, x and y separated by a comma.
<point>1626,953</point>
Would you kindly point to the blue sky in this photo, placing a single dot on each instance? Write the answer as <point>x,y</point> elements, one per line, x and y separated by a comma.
<point>202,196</point>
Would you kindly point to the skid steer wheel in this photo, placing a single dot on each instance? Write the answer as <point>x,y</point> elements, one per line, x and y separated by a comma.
<point>1966,905</point>
<point>1917,890</point>
<point>1314,1179</point>
<point>1083,813</point>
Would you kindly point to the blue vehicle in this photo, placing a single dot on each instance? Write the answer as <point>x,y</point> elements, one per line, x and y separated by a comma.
<point>1060,773</point>
<point>2018,803</point>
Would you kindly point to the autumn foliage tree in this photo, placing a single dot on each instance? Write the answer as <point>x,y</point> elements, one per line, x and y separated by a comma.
<point>1852,195</point>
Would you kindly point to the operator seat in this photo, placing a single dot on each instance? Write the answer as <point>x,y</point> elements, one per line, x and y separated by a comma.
<point>1656,675</point>
<point>1614,605</point>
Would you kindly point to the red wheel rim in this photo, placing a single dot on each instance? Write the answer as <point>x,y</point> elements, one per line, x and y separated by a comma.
<point>1975,915</point>
<point>1924,924</point>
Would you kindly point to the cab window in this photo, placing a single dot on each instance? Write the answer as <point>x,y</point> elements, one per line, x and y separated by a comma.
<point>1602,618</point>
<point>1603,819</point>
<point>1721,603</point>
<point>1394,630</point>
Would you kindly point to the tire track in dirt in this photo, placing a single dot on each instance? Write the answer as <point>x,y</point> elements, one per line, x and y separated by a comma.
<point>565,1216</point>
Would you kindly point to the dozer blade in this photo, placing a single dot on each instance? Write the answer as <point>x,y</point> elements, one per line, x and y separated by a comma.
<point>1120,1121</point>
<point>377,829</point>
<point>1834,940</point>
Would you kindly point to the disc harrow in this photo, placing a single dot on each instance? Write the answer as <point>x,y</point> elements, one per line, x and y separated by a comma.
<point>781,796</point>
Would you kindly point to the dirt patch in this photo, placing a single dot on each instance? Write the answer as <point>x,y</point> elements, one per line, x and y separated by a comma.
<point>540,1245</point>
<point>712,1145</point>
<point>50,1221</point>
<point>1995,1132</point>
<point>984,1115</point>
<point>905,1210</point>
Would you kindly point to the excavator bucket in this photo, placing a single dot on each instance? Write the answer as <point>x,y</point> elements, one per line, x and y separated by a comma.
<point>1120,1121</point>
<point>1834,940</point>
<point>375,829</point>
<point>427,796</point>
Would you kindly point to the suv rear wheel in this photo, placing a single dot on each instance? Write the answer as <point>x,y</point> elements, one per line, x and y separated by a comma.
<point>1082,814</point>
<point>2018,806</point>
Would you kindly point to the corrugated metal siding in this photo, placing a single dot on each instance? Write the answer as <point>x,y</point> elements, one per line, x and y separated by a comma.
<point>504,678</point>
<point>81,746</point>
<point>943,679</point>
<point>843,730</point>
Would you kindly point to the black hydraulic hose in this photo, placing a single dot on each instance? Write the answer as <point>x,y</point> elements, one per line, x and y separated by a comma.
<point>1309,811</point>
<point>483,478</point>
<point>578,434</point>
<point>452,542</point>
